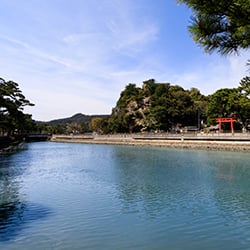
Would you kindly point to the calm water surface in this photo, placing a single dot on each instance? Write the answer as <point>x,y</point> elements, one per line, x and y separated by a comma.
<point>79,196</point>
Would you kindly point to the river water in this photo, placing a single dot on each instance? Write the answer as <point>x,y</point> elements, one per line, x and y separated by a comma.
<point>86,196</point>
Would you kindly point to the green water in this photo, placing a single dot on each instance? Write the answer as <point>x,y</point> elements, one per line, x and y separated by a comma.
<point>80,196</point>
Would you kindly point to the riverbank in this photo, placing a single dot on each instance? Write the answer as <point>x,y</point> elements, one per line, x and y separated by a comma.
<point>9,144</point>
<point>12,143</point>
<point>237,143</point>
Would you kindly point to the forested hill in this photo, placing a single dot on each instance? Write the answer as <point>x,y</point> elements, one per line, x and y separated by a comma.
<point>165,107</point>
<point>157,106</point>
<point>77,118</point>
<point>76,124</point>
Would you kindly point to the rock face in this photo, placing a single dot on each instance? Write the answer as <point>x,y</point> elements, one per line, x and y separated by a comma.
<point>138,112</point>
<point>132,111</point>
<point>132,114</point>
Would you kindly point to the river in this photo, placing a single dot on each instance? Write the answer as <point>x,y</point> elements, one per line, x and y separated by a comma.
<point>87,196</point>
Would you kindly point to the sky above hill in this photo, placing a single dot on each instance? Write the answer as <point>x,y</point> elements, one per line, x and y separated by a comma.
<point>71,56</point>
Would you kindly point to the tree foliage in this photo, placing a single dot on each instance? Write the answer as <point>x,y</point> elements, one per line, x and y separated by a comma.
<point>222,26</point>
<point>229,103</point>
<point>245,86</point>
<point>12,103</point>
<point>222,104</point>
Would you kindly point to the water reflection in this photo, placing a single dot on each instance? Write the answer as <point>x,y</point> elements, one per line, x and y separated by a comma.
<point>15,212</point>
<point>232,190</point>
<point>225,171</point>
<point>15,217</point>
<point>155,181</point>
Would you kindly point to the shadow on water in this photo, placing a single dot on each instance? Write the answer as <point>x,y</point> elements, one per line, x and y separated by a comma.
<point>16,213</point>
<point>15,217</point>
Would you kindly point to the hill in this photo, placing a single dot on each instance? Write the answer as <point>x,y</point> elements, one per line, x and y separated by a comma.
<point>77,118</point>
<point>157,107</point>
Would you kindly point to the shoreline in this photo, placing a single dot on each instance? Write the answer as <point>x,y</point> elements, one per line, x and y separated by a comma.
<point>170,142</point>
<point>10,144</point>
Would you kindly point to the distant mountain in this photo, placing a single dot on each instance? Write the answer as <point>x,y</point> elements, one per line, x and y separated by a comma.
<point>77,118</point>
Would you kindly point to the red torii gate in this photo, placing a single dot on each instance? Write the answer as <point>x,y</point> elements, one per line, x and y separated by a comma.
<point>231,120</point>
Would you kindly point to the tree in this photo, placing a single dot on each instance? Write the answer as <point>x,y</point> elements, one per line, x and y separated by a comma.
<point>221,104</point>
<point>181,109</point>
<point>130,92</point>
<point>222,26</point>
<point>245,86</point>
<point>158,118</point>
<point>229,103</point>
<point>96,124</point>
<point>200,102</point>
<point>12,103</point>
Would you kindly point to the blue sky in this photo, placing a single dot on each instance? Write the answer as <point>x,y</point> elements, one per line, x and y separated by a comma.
<point>71,56</point>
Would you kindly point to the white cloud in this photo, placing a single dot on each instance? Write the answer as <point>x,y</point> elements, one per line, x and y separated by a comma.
<point>25,48</point>
<point>86,55</point>
<point>215,73</point>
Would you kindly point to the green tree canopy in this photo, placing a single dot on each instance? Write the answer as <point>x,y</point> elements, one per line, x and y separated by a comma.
<point>12,102</point>
<point>229,103</point>
<point>222,104</point>
<point>220,25</point>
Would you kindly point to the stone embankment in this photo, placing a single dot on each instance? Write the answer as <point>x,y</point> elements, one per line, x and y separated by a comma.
<point>227,142</point>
